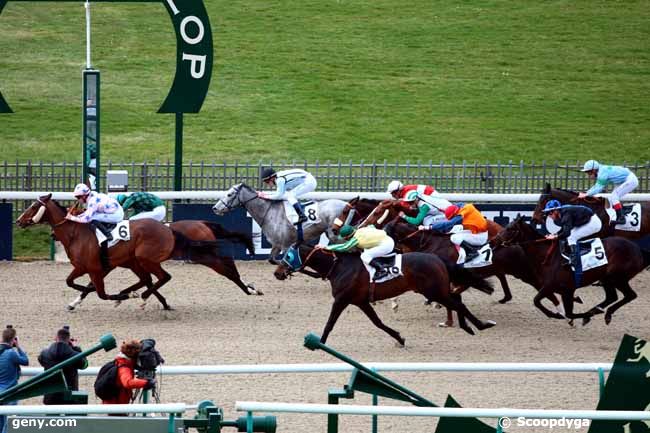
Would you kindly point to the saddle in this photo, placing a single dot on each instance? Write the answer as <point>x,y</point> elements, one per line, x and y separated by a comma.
<point>386,261</point>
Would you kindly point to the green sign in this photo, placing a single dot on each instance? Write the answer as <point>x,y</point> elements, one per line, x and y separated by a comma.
<point>194,54</point>
<point>627,387</point>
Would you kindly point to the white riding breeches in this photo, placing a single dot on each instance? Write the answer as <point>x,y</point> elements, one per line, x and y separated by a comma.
<point>385,247</point>
<point>112,218</point>
<point>617,194</point>
<point>593,226</point>
<point>158,213</point>
<point>478,239</point>
<point>307,186</point>
<point>437,202</point>
<point>433,218</point>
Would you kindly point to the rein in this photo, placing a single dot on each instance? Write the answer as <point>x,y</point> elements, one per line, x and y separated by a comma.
<point>311,253</point>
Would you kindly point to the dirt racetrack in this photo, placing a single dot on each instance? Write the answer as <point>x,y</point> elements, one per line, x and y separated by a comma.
<point>215,323</point>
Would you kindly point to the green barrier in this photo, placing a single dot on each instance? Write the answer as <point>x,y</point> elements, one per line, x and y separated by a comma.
<point>209,419</point>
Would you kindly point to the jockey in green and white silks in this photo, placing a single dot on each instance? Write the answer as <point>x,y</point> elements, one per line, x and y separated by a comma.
<point>290,186</point>
<point>622,177</point>
<point>430,208</point>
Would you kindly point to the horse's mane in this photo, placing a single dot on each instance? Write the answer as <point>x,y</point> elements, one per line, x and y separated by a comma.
<point>569,191</point>
<point>60,206</point>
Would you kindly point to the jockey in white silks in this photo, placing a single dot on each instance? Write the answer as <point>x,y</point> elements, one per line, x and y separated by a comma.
<point>622,177</point>
<point>290,186</point>
<point>100,209</point>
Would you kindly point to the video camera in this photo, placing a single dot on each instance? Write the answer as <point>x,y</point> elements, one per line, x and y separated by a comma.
<point>148,359</point>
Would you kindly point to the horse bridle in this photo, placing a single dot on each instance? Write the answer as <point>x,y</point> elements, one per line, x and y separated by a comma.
<point>230,207</point>
<point>303,265</point>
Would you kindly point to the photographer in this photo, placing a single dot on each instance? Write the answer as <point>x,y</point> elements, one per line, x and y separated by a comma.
<point>126,382</point>
<point>11,358</point>
<point>64,348</point>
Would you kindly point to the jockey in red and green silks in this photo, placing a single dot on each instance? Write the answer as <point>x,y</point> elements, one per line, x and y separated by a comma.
<point>622,177</point>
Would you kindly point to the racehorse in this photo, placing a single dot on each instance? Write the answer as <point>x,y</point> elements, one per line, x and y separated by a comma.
<point>272,219</point>
<point>197,231</point>
<point>625,260</point>
<point>598,205</point>
<point>423,273</point>
<point>151,243</point>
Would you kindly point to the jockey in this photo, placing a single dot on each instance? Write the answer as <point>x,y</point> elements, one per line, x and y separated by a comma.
<point>622,177</point>
<point>399,192</point>
<point>144,205</point>
<point>100,210</point>
<point>430,208</point>
<point>576,222</point>
<point>290,185</point>
<point>374,242</point>
<point>475,225</point>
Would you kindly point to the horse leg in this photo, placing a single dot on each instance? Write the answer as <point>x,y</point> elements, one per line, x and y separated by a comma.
<point>610,297</point>
<point>537,301</point>
<point>97,279</point>
<point>163,277</point>
<point>456,303</point>
<point>628,296</point>
<point>372,315</point>
<point>453,302</point>
<point>85,290</point>
<point>567,300</point>
<point>144,279</point>
<point>337,308</point>
<point>226,267</point>
<point>507,295</point>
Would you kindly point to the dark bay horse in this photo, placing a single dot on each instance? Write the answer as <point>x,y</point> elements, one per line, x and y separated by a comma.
<point>150,244</point>
<point>426,274</point>
<point>598,205</point>
<point>625,260</point>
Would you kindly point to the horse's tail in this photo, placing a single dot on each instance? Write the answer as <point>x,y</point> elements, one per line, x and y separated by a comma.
<point>185,248</point>
<point>464,277</point>
<point>221,233</point>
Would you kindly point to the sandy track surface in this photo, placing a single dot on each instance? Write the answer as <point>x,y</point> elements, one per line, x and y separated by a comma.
<point>215,323</point>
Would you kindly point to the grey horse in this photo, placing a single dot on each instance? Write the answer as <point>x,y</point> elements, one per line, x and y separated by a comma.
<point>271,217</point>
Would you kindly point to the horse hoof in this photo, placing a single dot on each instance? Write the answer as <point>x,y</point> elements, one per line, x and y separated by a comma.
<point>401,345</point>
<point>578,300</point>
<point>69,308</point>
<point>134,295</point>
<point>571,324</point>
<point>585,320</point>
<point>168,308</point>
<point>487,325</point>
<point>117,304</point>
<point>505,300</point>
<point>445,325</point>
<point>394,305</point>
<point>608,319</point>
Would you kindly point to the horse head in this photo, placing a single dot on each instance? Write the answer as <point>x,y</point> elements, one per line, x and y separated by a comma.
<point>36,213</point>
<point>517,231</point>
<point>346,217</point>
<point>298,257</point>
<point>236,196</point>
<point>380,215</point>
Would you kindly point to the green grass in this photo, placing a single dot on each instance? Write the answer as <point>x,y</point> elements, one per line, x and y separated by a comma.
<point>32,243</point>
<point>355,80</point>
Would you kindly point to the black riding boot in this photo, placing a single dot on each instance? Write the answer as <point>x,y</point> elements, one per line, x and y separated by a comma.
<point>471,252</point>
<point>567,251</point>
<point>576,261</point>
<point>380,272</point>
<point>102,227</point>
<point>103,256</point>
<point>620,218</point>
<point>301,215</point>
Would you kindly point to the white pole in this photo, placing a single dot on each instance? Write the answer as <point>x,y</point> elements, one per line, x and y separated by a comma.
<point>87,6</point>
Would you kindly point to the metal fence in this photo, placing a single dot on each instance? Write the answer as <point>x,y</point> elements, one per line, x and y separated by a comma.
<point>460,177</point>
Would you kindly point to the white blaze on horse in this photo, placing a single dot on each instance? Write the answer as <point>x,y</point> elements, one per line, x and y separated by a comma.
<point>271,216</point>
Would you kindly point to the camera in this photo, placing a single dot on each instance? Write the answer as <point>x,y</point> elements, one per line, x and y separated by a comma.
<point>148,359</point>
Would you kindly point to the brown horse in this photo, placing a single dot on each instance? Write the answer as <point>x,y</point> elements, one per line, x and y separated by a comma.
<point>150,244</point>
<point>198,231</point>
<point>426,274</point>
<point>625,260</point>
<point>598,205</point>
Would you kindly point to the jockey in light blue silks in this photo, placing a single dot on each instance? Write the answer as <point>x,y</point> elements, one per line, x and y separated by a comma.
<point>290,186</point>
<point>622,177</point>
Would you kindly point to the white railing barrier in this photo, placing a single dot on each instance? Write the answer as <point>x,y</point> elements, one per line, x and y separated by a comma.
<point>82,409</point>
<point>492,367</point>
<point>252,406</point>
<point>341,195</point>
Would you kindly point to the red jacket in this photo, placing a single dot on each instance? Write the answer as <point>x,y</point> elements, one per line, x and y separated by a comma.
<point>125,381</point>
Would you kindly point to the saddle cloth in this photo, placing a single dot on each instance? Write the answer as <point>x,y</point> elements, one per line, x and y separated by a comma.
<point>592,254</point>
<point>484,257</point>
<point>310,208</point>
<point>632,214</point>
<point>392,263</point>
<point>121,232</point>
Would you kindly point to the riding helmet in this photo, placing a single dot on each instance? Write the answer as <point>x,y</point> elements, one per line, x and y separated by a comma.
<point>267,173</point>
<point>81,190</point>
<point>552,205</point>
<point>451,211</point>
<point>394,186</point>
<point>121,198</point>
<point>591,165</point>
<point>346,231</point>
